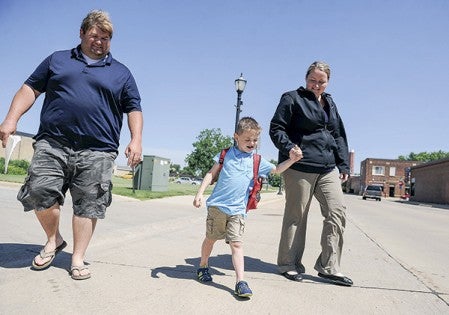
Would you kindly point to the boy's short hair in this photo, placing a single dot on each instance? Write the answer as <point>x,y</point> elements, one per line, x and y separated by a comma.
<point>248,123</point>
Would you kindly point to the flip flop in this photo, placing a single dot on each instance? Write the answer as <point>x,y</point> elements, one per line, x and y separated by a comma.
<point>45,254</point>
<point>79,276</point>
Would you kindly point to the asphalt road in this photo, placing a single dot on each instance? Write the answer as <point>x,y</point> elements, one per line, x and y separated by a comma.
<point>144,255</point>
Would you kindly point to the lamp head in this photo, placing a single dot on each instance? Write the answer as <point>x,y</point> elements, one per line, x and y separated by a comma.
<point>240,84</point>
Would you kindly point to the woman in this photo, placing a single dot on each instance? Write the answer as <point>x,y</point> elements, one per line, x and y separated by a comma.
<point>308,117</point>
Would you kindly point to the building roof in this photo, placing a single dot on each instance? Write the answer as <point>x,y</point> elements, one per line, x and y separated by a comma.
<point>431,163</point>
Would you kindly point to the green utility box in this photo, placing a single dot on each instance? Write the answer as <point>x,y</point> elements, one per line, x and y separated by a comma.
<point>152,174</point>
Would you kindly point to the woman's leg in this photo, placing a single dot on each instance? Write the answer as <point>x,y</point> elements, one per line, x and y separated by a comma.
<point>330,196</point>
<point>299,188</point>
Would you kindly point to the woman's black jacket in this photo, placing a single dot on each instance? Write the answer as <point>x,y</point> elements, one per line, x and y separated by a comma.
<point>300,119</point>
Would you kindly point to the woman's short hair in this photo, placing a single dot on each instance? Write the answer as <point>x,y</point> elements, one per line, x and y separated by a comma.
<point>320,65</point>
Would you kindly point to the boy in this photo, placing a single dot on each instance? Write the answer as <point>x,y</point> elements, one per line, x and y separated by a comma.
<point>227,203</point>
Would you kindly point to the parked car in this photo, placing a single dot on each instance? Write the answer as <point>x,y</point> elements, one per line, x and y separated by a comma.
<point>184,180</point>
<point>373,192</point>
<point>188,180</point>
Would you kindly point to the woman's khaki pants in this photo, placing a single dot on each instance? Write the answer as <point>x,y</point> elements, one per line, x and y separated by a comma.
<point>300,188</point>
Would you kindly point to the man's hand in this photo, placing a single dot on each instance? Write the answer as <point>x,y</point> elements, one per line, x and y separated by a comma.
<point>134,154</point>
<point>6,129</point>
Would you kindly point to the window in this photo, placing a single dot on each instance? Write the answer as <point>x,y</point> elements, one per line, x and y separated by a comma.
<point>378,170</point>
<point>392,171</point>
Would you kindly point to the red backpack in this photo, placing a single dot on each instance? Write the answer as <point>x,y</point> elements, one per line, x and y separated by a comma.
<point>254,195</point>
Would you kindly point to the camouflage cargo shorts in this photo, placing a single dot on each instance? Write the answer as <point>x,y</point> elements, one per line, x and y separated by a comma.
<point>54,169</point>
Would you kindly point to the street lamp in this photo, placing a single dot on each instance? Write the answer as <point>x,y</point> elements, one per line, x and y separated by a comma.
<point>240,84</point>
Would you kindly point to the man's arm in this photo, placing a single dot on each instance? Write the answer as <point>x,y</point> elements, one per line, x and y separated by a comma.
<point>21,103</point>
<point>134,149</point>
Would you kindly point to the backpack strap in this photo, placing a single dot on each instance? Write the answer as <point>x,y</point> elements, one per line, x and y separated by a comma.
<point>256,164</point>
<point>254,195</point>
<point>220,163</point>
<point>222,156</point>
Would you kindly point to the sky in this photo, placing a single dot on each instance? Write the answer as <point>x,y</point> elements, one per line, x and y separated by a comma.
<point>389,65</point>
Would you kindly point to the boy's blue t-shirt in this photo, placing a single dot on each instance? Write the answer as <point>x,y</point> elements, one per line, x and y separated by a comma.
<point>231,191</point>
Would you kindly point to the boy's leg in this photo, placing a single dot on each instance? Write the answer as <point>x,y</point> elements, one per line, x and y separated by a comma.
<point>206,250</point>
<point>238,260</point>
<point>215,230</point>
<point>203,270</point>
<point>235,229</point>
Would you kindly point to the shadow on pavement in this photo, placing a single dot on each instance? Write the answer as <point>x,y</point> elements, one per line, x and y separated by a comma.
<point>222,262</point>
<point>13,255</point>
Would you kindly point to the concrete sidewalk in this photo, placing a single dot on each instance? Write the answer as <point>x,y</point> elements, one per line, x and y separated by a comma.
<point>144,255</point>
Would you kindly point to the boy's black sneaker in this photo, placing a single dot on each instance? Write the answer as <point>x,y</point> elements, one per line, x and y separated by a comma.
<point>204,275</point>
<point>242,289</point>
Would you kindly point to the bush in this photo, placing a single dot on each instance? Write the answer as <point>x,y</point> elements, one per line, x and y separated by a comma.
<point>14,170</point>
<point>274,180</point>
<point>23,164</point>
<point>15,167</point>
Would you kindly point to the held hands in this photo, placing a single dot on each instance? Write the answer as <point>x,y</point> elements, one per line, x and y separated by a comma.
<point>295,153</point>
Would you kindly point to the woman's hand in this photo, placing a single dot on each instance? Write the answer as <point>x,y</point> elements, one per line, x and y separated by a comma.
<point>344,177</point>
<point>295,153</point>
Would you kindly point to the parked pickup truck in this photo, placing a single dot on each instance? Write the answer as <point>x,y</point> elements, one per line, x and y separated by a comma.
<point>373,192</point>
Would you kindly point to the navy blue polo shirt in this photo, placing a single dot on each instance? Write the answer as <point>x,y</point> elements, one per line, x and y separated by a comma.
<point>84,104</point>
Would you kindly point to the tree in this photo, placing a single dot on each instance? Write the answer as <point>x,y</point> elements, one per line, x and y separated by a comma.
<point>174,169</point>
<point>210,143</point>
<point>274,179</point>
<point>424,156</point>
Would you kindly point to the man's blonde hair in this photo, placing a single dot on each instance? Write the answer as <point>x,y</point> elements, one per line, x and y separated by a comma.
<point>97,18</point>
<point>248,123</point>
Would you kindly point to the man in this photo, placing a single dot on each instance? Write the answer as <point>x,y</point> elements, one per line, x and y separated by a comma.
<point>86,94</point>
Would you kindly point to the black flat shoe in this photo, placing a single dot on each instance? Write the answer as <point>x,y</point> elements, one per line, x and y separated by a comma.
<point>295,277</point>
<point>345,281</point>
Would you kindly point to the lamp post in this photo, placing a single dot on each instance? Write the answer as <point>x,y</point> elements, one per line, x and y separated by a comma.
<point>240,84</point>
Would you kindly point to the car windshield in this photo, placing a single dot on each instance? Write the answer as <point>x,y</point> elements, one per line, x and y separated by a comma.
<point>378,188</point>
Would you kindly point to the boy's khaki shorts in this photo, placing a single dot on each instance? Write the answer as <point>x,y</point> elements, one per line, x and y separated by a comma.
<point>222,226</point>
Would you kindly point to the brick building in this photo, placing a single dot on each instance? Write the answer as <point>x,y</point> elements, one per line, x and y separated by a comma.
<point>430,182</point>
<point>391,174</point>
